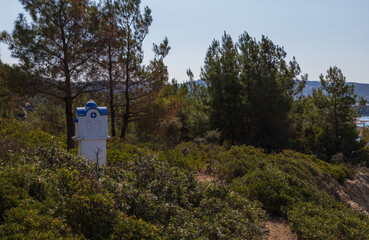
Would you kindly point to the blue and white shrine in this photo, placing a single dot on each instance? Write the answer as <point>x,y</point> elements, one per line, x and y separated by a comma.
<point>91,125</point>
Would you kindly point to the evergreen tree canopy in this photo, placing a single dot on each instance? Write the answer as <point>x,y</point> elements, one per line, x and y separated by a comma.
<point>251,89</point>
<point>339,130</point>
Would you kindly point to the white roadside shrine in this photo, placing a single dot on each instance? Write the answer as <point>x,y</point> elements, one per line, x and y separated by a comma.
<point>91,125</point>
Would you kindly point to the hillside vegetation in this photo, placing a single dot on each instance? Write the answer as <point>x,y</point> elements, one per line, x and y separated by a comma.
<point>48,193</point>
<point>272,151</point>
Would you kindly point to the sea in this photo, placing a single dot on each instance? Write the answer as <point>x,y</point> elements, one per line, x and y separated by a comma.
<point>363,120</point>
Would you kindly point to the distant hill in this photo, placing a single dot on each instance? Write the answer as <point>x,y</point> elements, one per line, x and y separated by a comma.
<point>361,89</point>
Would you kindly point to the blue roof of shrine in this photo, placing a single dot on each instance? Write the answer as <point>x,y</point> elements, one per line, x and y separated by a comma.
<point>82,111</point>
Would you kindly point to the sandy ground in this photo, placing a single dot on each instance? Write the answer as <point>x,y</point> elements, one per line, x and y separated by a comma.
<point>205,178</point>
<point>277,229</point>
<point>355,191</point>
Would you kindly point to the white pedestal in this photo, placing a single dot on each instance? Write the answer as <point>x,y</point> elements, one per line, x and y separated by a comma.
<point>93,149</point>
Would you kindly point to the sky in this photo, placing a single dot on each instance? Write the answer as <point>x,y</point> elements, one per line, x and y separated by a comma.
<point>319,33</point>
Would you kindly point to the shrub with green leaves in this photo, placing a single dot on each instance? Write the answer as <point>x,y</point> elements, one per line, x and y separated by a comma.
<point>192,156</point>
<point>237,161</point>
<point>296,186</point>
<point>53,194</point>
<point>17,138</point>
<point>120,153</point>
<point>270,186</point>
<point>48,193</point>
<point>327,219</point>
<point>171,198</point>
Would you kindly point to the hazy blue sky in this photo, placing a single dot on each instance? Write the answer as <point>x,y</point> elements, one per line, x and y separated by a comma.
<point>318,33</point>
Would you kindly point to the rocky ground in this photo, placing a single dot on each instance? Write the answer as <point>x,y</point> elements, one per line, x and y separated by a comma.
<point>355,191</point>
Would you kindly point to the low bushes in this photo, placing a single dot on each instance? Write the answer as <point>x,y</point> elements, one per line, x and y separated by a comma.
<point>171,198</point>
<point>17,138</point>
<point>192,156</point>
<point>290,184</point>
<point>327,219</point>
<point>52,194</point>
<point>47,193</point>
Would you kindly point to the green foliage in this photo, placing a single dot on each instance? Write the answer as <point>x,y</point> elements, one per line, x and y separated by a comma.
<point>309,168</point>
<point>251,90</point>
<point>48,193</point>
<point>120,153</point>
<point>236,162</point>
<point>29,221</point>
<point>364,155</point>
<point>328,120</point>
<point>270,186</point>
<point>129,26</point>
<point>173,199</point>
<point>13,87</point>
<point>52,194</point>
<point>189,155</point>
<point>162,125</point>
<point>28,202</point>
<point>47,115</point>
<point>327,219</point>
<point>364,131</point>
<point>293,185</point>
<point>55,47</point>
<point>193,115</point>
<point>132,228</point>
<point>16,138</point>
<point>181,114</point>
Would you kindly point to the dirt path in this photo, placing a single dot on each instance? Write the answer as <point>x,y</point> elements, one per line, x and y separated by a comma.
<point>205,178</point>
<point>277,229</point>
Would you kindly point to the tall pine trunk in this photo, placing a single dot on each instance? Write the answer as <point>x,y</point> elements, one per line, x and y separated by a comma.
<point>126,114</point>
<point>126,90</point>
<point>111,94</point>
<point>112,111</point>
<point>68,109</point>
<point>68,93</point>
<point>70,122</point>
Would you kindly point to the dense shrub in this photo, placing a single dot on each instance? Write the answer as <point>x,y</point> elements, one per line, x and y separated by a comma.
<point>193,156</point>
<point>48,193</point>
<point>128,227</point>
<point>120,153</point>
<point>237,161</point>
<point>171,198</point>
<point>308,167</point>
<point>282,182</point>
<point>327,219</point>
<point>17,138</point>
<point>53,194</point>
<point>30,220</point>
<point>269,185</point>
<point>296,186</point>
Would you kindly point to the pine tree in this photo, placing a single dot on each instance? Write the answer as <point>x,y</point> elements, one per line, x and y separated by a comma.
<point>56,47</point>
<point>108,57</point>
<point>140,84</point>
<point>339,131</point>
<point>251,90</point>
